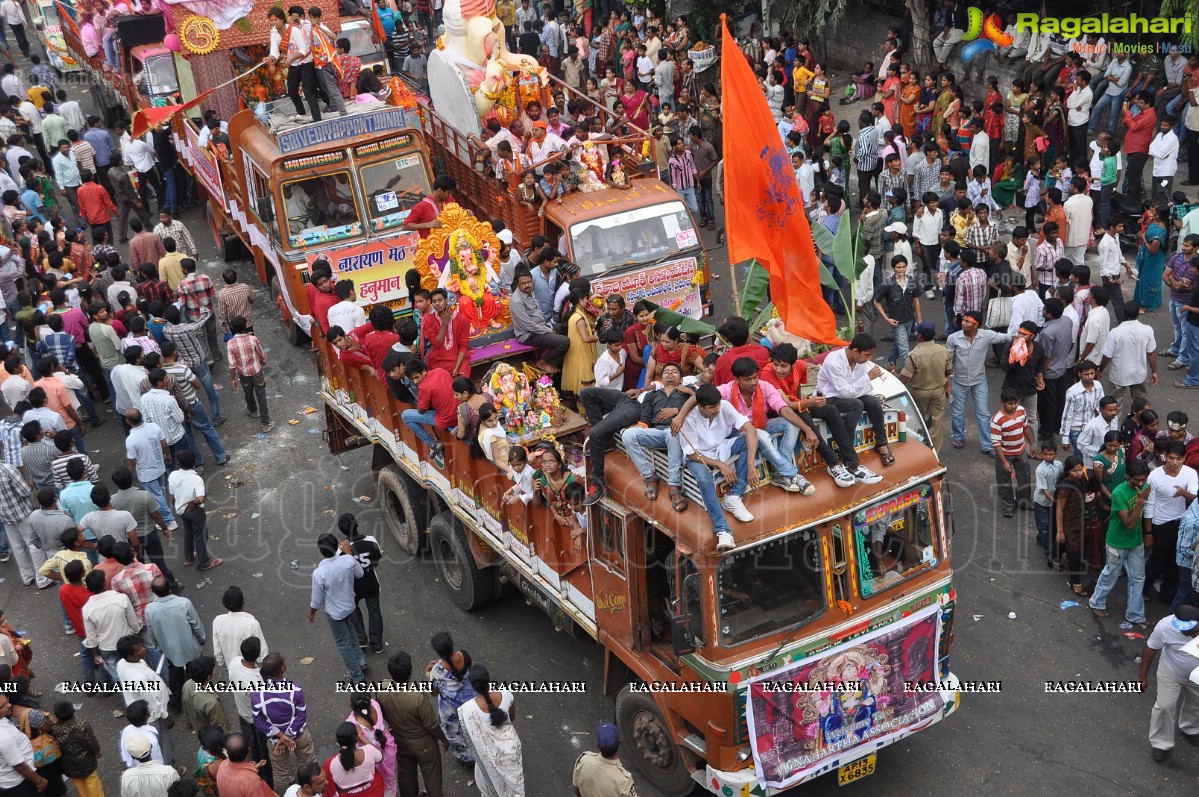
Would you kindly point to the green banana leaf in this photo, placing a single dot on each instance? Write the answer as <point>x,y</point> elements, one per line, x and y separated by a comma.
<point>763,315</point>
<point>684,323</point>
<point>753,294</point>
<point>845,251</point>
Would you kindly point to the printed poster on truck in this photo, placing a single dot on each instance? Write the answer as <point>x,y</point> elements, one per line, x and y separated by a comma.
<point>204,166</point>
<point>378,268</point>
<point>671,285</point>
<point>857,693</point>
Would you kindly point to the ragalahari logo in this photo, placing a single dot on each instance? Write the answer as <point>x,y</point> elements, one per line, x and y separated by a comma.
<point>990,29</point>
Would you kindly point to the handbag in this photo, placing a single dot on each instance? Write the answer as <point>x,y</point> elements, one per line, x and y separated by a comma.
<point>45,747</point>
<point>1041,143</point>
<point>999,313</point>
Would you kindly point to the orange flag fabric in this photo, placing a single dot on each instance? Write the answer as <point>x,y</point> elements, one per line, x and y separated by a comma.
<point>145,119</point>
<point>764,214</point>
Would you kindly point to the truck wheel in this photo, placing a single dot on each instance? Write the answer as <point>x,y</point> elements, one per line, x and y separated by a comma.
<point>470,588</point>
<point>657,757</point>
<point>403,509</point>
<point>295,335</point>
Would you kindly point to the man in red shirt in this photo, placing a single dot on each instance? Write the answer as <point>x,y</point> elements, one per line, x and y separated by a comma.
<point>423,217</point>
<point>320,293</point>
<point>95,204</point>
<point>73,594</point>
<point>1141,128</point>
<point>736,331</point>
<point>435,404</point>
<point>348,349</point>
<point>445,336</point>
<point>378,335</point>
<point>789,373</point>
<point>145,247</point>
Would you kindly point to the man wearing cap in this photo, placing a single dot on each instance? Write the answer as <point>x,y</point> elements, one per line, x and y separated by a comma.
<point>895,236</point>
<point>149,778</point>
<point>926,374</point>
<point>1169,636</point>
<point>601,774</point>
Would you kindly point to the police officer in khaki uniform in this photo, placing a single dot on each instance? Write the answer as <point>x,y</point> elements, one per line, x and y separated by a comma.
<point>601,774</point>
<point>926,374</point>
<point>414,724</point>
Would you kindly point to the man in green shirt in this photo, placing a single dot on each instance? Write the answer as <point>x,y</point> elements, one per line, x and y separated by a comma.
<point>1125,546</point>
<point>201,705</point>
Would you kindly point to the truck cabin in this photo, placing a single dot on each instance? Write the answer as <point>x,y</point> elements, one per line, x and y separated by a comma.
<point>151,68</point>
<point>641,231</point>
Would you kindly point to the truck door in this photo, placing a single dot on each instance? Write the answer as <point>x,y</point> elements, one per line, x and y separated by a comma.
<point>611,576</point>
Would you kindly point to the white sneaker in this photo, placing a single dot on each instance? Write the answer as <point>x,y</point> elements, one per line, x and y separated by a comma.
<point>787,484</point>
<point>725,541</point>
<point>802,485</point>
<point>736,507</point>
<point>928,294</point>
<point>865,475</point>
<point>172,526</point>
<point>841,475</point>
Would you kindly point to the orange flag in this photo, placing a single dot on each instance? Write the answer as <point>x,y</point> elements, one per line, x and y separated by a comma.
<point>146,118</point>
<point>764,214</point>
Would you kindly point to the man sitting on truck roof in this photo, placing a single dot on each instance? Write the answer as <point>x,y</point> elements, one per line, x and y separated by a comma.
<point>844,380</point>
<point>658,409</point>
<point>378,335</point>
<point>423,216</point>
<point>717,436</point>
<point>435,405</point>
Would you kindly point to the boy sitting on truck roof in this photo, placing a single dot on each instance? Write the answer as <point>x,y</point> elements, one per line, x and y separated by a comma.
<point>844,379</point>
<point>712,437</point>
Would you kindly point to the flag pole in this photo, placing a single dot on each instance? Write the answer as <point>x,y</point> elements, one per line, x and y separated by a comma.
<point>732,267</point>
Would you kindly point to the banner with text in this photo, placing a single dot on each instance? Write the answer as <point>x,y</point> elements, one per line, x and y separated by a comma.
<point>854,694</point>
<point>378,268</point>
<point>671,285</point>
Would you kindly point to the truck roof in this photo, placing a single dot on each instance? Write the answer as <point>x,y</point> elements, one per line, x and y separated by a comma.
<point>578,206</point>
<point>288,137</point>
<point>774,510</point>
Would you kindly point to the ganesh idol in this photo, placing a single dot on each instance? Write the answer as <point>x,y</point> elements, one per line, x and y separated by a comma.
<point>472,74</point>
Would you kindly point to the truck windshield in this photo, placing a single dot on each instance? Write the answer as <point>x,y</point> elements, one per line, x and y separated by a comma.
<point>321,209</point>
<point>392,188</point>
<point>771,587</point>
<point>155,77</point>
<point>632,237</point>
<point>895,539</point>
<point>361,44</point>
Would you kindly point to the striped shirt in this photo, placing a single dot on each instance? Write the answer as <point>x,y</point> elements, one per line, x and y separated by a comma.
<point>682,171</point>
<point>981,238</point>
<point>865,152</point>
<point>134,581</point>
<point>233,301</point>
<point>970,291</point>
<point>1047,255</point>
<point>181,235</point>
<point>161,408</point>
<point>38,458</point>
<point>186,338</point>
<point>10,437</point>
<point>1007,432</point>
<point>15,496</point>
<point>183,378</point>
<point>246,357</point>
<point>58,469</point>
<point>887,183</point>
<point>1081,405</point>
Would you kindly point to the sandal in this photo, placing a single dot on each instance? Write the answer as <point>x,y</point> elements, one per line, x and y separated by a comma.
<point>1078,590</point>
<point>887,457</point>
<point>678,500</point>
<point>1100,613</point>
<point>651,489</point>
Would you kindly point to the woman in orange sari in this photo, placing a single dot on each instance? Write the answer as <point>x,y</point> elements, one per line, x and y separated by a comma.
<point>890,94</point>
<point>907,104</point>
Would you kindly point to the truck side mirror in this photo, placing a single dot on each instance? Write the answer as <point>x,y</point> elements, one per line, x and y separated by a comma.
<point>266,209</point>
<point>680,633</point>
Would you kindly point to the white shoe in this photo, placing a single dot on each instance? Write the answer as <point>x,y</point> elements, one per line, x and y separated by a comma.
<point>736,507</point>
<point>841,475</point>
<point>725,541</point>
<point>802,485</point>
<point>865,475</point>
<point>172,526</point>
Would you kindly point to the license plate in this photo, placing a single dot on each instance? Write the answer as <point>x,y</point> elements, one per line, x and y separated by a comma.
<point>856,770</point>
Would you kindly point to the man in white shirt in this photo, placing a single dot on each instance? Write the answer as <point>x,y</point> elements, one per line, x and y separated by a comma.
<point>230,629</point>
<point>1090,439</point>
<point>14,17</point>
<point>149,778</point>
<point>664,77</point>
<point>1097,327</point>
<point>1174,66</point>
<point>1131,350</point>
<point>1026,306</point>
<point>1164,151</point>
<point>1113,266</point>
<point>1078,210</point>
<point>707,444</point>
<point>16,151</point>
<point>1115,79</point>
<point>1172,488</point>
<point>148,454</point>
<point>139,681</point>
<point>346,314</point>
<point>11,82</point>
<point>543,144</point>
<point>1078,113</point>
<point>926,232</point>
<point>108,616</point>
<point>297,57</point>
<point>844,381</point>
<point>16,757</point>
<point>806,175</point>
<point>1177,694</point>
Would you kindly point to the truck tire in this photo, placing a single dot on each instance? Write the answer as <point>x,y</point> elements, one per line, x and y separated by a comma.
<point>295,335</point>
<point>647,735</point>
<point>404,509</point>
<point>470,588</point>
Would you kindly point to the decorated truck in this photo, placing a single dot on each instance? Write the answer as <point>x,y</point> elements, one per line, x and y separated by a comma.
<point>44,14</point>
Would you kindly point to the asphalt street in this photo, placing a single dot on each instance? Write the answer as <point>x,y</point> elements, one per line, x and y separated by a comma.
<point>281,490</point>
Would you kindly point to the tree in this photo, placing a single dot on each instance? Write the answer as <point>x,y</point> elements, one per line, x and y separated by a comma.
<point>922,40</point>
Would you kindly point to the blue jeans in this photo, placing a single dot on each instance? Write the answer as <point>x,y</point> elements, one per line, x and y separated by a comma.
<point>1132,562</point>
<point>1191,340</point>
<point>957,409</point>
<point>707,485</point>
<point>157,488</point>
<point>707,207</point>
<point>1042,518</point>
<point>1183,595</point>
<point>88,663</point>
<point>204,426</point>
<point>80,440</point>
<point>419,422</point>
<point>204,374</point>
<point>901,346</point>
<point>782,456</point>
<point>168,178</point>
<point>345,636</point>
<point>689,195</point>
<point>18,335</point>
<point>1105,203</point>
<point>637,439</point>
<point>1178,319</point>
<point>1114,103</point>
